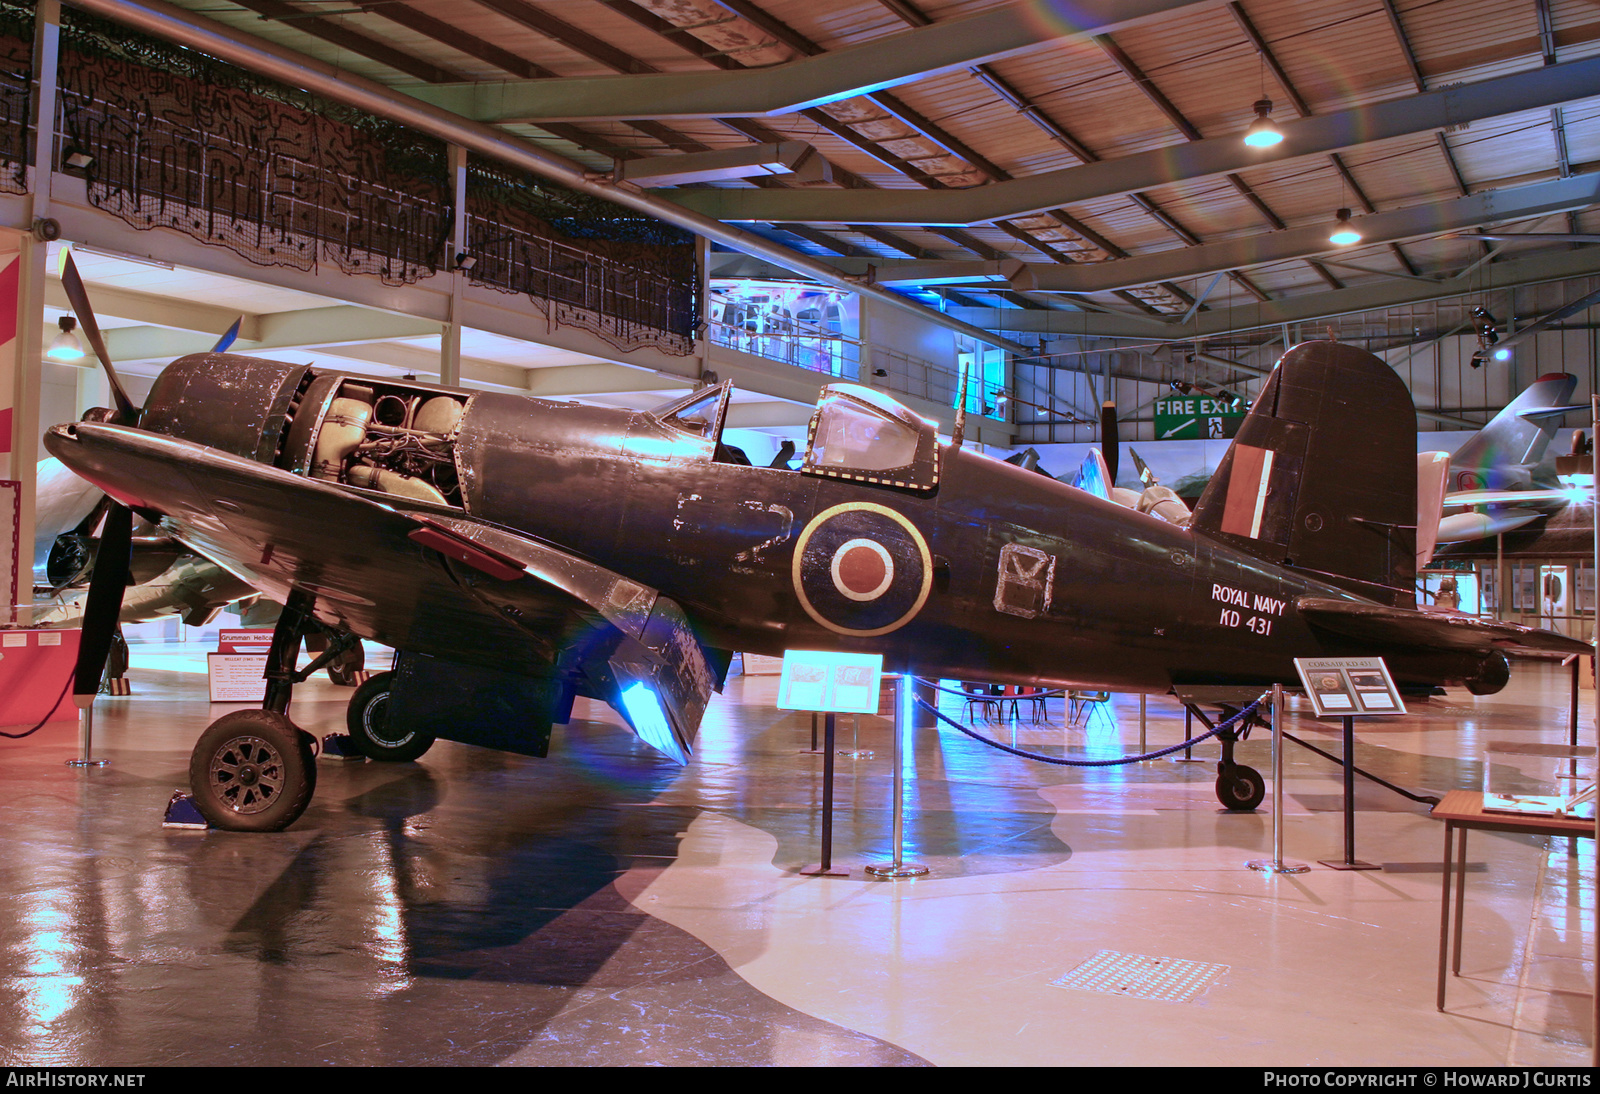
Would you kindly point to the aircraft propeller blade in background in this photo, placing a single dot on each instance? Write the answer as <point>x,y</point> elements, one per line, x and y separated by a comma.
<point>1108,439</point>
<point>78,297</point>
<point>228,337</point>
<point>106,586</point>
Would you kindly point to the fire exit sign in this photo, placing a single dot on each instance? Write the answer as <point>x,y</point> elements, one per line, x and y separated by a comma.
<point>1196,417</point>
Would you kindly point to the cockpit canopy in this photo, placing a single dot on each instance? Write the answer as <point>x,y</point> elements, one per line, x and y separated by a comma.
<point>862,434</point>
<point>856,433</point>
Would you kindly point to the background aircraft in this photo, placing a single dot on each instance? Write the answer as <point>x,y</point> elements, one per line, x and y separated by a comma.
<point>519,552</point>
<point>1499,479</point>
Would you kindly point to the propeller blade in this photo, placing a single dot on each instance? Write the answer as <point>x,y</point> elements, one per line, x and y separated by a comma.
<point>78,297</point>
<point>104,605</point>
<point>1108,439</point>
<point>228,337</point>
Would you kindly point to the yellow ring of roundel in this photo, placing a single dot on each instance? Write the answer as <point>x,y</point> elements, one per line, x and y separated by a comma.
<point>848,507</point>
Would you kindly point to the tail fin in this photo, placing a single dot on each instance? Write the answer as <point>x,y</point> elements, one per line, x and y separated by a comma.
<point>1518,435</point>
<point>1322,476</point>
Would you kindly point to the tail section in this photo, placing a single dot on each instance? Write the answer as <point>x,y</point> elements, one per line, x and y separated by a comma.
<point>1322,475</point>
<point>1515,437</point>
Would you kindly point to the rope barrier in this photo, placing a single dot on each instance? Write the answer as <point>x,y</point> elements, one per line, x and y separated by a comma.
<point>1062,762</point>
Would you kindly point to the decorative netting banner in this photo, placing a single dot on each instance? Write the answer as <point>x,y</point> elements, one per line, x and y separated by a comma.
<point>178,140</point>
<point>16,111</point>
<point>627,277</point>
<point>182,141</point>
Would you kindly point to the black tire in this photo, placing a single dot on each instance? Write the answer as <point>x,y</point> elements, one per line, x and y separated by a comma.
<point>1240,788</point>
<point>368,719</point>
<point>252,771</point>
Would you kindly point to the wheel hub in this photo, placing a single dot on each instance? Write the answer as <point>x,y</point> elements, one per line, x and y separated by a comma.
<point>247,774</point>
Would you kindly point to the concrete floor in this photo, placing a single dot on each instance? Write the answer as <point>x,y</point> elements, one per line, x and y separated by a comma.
<point>606,907</point>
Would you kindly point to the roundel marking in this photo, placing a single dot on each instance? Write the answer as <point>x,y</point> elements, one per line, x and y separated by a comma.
<point>862,569</point>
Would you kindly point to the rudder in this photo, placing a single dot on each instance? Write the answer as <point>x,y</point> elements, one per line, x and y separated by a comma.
<point>1321,476</point>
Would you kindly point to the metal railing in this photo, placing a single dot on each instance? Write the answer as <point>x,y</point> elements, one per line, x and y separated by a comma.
<point>793,342</point>
<point>912,375</point>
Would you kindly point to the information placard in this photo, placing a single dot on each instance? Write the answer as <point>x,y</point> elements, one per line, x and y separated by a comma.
<point>1340,686</point>
<point>237,677</point>
<point>845,683</point>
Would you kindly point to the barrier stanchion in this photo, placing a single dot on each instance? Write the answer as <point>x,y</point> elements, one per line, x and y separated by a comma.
<point>1277,865</point>
<point>902,724</point>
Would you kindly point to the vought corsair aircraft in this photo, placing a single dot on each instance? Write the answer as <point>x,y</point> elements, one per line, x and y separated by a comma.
<point>517,552</point>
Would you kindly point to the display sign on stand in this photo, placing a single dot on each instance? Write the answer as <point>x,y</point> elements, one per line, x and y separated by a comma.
<point>831,683</point>
<point>1349,688</point>
<point>841,683</point>
<point>756,664</point>
<point>237,670</point>
<point>1340,687</point>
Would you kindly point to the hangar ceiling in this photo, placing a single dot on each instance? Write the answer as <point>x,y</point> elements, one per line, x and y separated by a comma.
<point>1035,167</point>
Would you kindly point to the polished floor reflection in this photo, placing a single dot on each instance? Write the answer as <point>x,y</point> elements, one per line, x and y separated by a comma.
<point>603,906</point>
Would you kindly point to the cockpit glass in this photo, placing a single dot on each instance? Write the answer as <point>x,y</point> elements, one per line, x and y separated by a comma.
<point>849,435</point>
<point>700,416</point>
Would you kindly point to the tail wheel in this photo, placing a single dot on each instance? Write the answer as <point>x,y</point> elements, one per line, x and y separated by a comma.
<point>1240,788</point>
<point>368,722</point>
<point>252,771</point>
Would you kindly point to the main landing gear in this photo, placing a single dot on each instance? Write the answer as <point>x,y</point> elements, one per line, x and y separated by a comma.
<point>368,721</point>
<point>255,770</point>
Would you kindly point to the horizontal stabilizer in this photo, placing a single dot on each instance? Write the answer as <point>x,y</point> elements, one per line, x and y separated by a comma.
<point>1514,497</point>
<point>1538,413</point>
<point>1407,628</point>
<point>1467,527</point>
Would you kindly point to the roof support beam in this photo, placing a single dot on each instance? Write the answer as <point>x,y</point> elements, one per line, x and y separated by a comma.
<point>838,74</point>
<point>1535,269</point>
<point>1415,222</point>
<point>1539,88</point>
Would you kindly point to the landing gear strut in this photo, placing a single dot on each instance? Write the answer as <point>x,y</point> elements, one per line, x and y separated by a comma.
<point>1240,788</point>
<point>255,770</point>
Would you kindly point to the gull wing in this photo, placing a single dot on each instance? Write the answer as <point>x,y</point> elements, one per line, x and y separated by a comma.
<point>413,575</point>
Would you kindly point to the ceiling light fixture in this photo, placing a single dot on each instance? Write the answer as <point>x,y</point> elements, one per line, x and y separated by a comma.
<point>65,346</point>
<point>1263,132</point>
<point>1344,233</point>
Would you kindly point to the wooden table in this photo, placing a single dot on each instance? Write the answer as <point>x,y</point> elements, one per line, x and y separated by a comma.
<point>1463,810</point>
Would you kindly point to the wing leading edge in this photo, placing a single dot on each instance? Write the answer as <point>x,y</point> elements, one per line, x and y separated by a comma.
<point>412,575</point>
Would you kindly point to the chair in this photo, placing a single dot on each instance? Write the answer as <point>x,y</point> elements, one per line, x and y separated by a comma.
<point>1034,697</point>
<point>1078,704</point>
<point>983,697</point>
